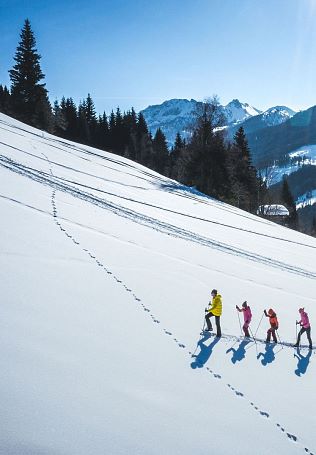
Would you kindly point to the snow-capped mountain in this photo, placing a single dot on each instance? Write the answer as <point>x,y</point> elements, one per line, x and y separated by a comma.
<point>178,115</point>
<point>277,115</point>
<point>172,116</point>
<point>236,112</point>
<point>106,268</point>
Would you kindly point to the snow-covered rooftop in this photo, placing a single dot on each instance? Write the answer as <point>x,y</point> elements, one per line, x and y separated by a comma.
<point>273,210</point>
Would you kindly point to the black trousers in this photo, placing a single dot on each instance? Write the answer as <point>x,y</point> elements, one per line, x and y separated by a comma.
<point>208,317</point>
<point>308,333</point>
<point>270,332</point>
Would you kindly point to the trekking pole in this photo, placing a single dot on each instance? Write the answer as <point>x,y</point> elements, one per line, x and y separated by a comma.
<point>203,324</point>
<point>239,322</point>
<point>197,344</point>
<point>259,324</point>
<point>279,339</point>
<point>296,331</point>
<point>252,335</point>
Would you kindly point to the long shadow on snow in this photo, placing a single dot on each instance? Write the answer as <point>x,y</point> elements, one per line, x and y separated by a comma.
<point>303,362</point>
<point>205,352</point>
<point>268,356</point>
<point>240,353</point>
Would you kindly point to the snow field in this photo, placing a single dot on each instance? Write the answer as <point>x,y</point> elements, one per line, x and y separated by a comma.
<point>103,302</point>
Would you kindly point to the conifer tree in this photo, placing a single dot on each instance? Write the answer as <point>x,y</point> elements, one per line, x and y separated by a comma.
<point>102,132</point>
<point>69,111</point>
<point>83,126</point>
<point>160,152</point>
<point>178,159</point>
<point>207,153</point>
<point>243,178</point>
<point>143,141</point>
<point>90,110</point>
<point>29,95</point>
<point>112,122</point>
<point>289,202</point>
<point>60,123</point>
<point>91,118</point>
<point>5,100</point>
<point>129,134</point>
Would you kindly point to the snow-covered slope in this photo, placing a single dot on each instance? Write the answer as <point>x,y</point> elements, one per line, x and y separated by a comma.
<point>106,268</point>
<point>303,156</point>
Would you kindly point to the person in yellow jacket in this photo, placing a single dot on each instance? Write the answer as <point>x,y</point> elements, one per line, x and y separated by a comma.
<point>214,309</point>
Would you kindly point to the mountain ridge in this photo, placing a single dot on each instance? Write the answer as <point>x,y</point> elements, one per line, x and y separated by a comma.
<point>177,115</point>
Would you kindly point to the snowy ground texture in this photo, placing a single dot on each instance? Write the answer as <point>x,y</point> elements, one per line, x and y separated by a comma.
<point>106,268</point>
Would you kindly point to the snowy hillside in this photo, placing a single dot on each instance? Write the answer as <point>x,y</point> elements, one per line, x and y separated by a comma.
<point>106,268</point>
<point>303,156</point>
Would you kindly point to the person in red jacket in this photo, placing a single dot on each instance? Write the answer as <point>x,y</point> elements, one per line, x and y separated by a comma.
<point>274,325</point>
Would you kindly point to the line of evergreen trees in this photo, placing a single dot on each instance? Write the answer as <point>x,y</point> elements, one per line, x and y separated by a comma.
<point>206,161</point>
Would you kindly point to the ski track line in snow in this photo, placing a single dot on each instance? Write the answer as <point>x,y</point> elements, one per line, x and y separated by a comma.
<point>160,226</point>
<point>248,231</point>
<point>290,436</point>
<point>177,188</point>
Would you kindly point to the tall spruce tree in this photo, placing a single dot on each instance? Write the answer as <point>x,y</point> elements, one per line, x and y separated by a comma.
<point>60,123</point>
<point>207,163</point>
<point>176,159</point>
<point>243,176</point>
<point>69,111</point>
<point>29,96</point>
<point>160,152</point>
<point>129,134</point>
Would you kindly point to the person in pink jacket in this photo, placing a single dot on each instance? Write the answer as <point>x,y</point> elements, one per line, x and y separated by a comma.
<point>305,327</point>
<point>247,317</point>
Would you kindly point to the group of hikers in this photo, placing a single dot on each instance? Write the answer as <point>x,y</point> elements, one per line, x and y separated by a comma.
<point>215,310</point>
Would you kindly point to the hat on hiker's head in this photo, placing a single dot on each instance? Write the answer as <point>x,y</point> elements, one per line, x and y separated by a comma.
<point>214,292</point>
<point>270,311</point>
<point>301,310</point>
<point>245,304</point>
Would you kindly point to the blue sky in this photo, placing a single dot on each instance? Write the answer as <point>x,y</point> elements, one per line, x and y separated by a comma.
<point>141,52</point>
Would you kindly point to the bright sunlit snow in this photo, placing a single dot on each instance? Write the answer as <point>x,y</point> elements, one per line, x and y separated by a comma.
<point>106,268</point>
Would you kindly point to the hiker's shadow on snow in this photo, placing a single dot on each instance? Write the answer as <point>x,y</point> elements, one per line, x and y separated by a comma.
<point>303,362</point>
<point>205,352</point>
<point>240,353</point>
<point>268,356</point>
